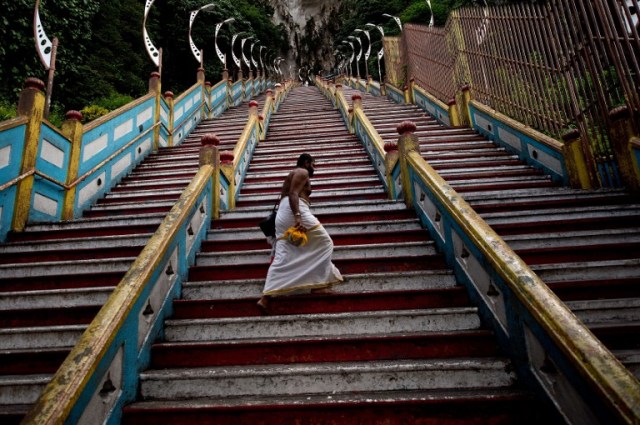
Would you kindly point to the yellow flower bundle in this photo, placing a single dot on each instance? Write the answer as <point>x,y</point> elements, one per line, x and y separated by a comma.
<point>296,236</point>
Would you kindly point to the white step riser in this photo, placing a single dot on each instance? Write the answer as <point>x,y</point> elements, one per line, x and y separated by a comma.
<point>64,244</point>
<point>40,337</point>
<point>343,324</point>
<point>573,238</point>
<point>102,222</point>
<point>604,270</point>
<point>60,298</point>
<point>21,390</point>
<point>339,253</point>
<point>66,268</point>
<point>332,229</point>
<point>198,383</point>
<point>337,193</point>
<point>357,284</point>
<point>319,208</point>
<point>614,311</point>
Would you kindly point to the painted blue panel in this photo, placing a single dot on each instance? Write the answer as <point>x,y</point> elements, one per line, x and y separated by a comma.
<point>103,141</point>
<point>58,147</point>
<point>11,147</point>
<point>435,110</point>
<point>528,149</point>
<point>51,196</point>
<point>7,204</point>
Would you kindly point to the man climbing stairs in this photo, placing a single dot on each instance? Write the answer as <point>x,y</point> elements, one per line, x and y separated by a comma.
<point>397,343</point>
<point>585,245</point>
<point>55,277</point>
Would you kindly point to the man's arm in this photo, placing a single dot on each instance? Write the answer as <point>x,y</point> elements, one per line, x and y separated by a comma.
<point>298,182</point>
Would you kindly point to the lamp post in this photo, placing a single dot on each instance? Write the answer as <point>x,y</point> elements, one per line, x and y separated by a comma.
<point>353,51</point>
<point>197,53</point>
<point>381,51</point>
<point>395,18</point>
<point>253,61</point>
<point>221,56</point>
<point>359,53</point>
<point>368,52</point>
<point>47,52</point>
<point>431,21</point>
<point>236,59</point>
<point>264,71</point>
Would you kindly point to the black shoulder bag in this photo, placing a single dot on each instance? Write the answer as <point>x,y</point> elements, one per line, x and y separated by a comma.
<point>268,225</point>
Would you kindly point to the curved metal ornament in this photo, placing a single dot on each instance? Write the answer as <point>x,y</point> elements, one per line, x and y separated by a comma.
<point>483,28</point>
<point>218,52</point>
<point>253,61</point>
<point>192,17</point>
<point>431,21</point>
<point>244,58</point>
<point>366,55</point>
<point>43,44</point>
<point>236,59</point>
<point>153,53</point>
<point>260,57</point>
<point>353,51</point>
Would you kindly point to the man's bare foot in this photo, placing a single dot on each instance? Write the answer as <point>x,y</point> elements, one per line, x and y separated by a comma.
<point>326,290</point>
<point>263,305</point>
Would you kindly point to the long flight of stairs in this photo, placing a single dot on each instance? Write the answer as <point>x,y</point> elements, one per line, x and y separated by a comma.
<point>55,277</point>
<point>585,245</point>
<point>397,343</point>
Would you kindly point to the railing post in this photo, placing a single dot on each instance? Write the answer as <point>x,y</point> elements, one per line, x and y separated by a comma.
<point>369,81</point>
<point>466,101</point>
<point>209,154</point>
<point>356,101</point>
<point>30,105</point>
<point>575,161</point>
<point>229,93</point>
<point>154,87</point>
<point>72,130</point>
<point>168,97</point>
<point>407,142</point>
<point>405,90</point>
<point>226,166</point>
<point>200,78</point>
<point>383,89</point>
<point>412,86</point>
<point>454,116</point>
<point>242,84</point>
<point>390,160</point>
<point>621,134</point>
<point>207,91</point>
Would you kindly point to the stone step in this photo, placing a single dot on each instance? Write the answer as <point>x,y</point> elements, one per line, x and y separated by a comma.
<point>39,337</point>
<point>320,378</point>
<point>20,389</point>
<point>473,343</point>
<point>326,324</point>
<point>356,252</point>
<point>64,298</point>
<point>357,283</point>
<point>494,405</point>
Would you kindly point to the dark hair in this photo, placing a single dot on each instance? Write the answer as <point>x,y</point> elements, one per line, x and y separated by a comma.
<point>305,157</point>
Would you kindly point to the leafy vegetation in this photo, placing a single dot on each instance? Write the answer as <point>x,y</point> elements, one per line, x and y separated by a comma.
<point>101,59</point>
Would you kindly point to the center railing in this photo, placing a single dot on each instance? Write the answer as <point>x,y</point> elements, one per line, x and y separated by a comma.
<point>100,375</point>
<point>554,352</point>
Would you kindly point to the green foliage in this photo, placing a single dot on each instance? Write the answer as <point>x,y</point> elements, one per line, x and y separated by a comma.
<point>90,113</point>
<point>7,110</point>
<point>113,101</point>
<point>101,48</point>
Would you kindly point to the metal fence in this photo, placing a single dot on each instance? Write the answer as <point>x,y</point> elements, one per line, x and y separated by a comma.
<point>556,67</point>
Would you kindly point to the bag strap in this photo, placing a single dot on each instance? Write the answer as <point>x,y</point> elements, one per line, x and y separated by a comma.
<point>275,207</point>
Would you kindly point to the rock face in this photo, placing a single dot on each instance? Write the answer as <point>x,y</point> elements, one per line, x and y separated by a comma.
<point>311,24</point>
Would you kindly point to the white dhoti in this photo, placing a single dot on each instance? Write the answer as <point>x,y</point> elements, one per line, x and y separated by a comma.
<point>300,267</point>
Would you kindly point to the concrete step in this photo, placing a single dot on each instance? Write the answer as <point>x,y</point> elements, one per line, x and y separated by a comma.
<point>357,283</point>
<point>322,378</point>
<point>379,250</point>
<point>333,324</point>
<point>494,405</point>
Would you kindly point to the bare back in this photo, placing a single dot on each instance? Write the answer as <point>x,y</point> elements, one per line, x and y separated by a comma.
<point>297,184</point>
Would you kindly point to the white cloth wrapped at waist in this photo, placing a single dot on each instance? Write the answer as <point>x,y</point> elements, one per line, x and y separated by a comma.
<point>300,267</point>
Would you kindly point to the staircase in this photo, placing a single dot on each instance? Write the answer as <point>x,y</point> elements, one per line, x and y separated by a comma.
<point>585,245</point>
<point>397,343</point>
<point>55,277</point>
